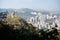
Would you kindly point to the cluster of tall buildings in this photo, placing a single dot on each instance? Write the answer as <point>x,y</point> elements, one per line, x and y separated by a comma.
<point>43,21</point>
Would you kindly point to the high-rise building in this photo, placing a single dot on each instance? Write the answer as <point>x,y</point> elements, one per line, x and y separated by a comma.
<point>45,21</point>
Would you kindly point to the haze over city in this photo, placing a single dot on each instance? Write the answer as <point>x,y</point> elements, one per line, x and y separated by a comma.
<point>48,5</point>
<point>29,19</point>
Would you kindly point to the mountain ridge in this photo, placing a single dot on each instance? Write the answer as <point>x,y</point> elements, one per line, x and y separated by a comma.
<point>25,13</point>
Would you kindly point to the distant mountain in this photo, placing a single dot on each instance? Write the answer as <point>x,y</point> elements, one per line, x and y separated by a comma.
<point>26,13</point>
<point>56,13</point>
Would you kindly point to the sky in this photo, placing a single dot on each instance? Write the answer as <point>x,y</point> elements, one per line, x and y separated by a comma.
<point>48,5</point>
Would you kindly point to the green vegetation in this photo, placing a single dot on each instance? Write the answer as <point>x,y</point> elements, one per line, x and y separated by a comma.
<point>24,31</point>
<point>59,34</point>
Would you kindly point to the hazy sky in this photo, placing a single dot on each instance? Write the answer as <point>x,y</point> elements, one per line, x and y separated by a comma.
<point>50,5</point>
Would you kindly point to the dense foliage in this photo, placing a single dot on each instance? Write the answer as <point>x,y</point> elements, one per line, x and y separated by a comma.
<point>25,31</point>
